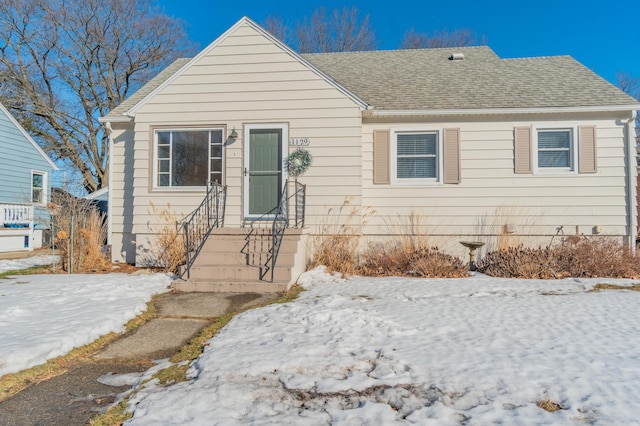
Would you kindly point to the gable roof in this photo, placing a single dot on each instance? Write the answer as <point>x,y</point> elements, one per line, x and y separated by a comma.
<point>27,136</point>
<point>427,79</point>
<point>128,108</point>
<point>119,112</point>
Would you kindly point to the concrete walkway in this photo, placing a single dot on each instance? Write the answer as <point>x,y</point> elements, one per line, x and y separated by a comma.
<point>76,396</point>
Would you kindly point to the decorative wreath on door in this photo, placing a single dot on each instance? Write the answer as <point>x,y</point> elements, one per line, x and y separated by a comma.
<point>298,162</point>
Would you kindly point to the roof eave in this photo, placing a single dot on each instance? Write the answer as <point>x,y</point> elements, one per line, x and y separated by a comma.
<point>115,119</point>
<point>498,111</point>
<point>22,130</point>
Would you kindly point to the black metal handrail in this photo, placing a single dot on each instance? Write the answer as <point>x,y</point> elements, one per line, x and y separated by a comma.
<point>198,224</point>
<point>281,221</point>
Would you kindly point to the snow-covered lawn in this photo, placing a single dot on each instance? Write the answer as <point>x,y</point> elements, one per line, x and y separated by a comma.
<point>383,351</point>
<point>477,350</point>
<point>44,316</point>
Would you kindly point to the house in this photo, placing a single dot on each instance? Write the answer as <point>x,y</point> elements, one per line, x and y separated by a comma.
<point>454,144</point>
<point>24,187</point>
<point>100,199</point>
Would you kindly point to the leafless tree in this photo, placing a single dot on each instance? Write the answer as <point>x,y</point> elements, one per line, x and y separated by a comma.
<point>276,26</point>
<point>631,86</point>
<point>441,38</point>
<point>341,31</point>
<point>65,63</point>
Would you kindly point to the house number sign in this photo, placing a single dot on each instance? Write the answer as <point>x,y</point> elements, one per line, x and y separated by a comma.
<point>299,141</point>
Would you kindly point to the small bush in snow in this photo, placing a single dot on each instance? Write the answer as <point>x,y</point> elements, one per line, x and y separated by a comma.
<point>402,259</point>
<point>576,256</point>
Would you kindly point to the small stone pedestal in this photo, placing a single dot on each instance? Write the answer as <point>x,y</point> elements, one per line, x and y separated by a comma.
<point>472,246</point>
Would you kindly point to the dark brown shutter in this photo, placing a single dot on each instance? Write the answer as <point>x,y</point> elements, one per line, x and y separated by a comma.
<point>451,156</point>
<point>381,157</point>
<point>522,150</point>
<point>587,157</point>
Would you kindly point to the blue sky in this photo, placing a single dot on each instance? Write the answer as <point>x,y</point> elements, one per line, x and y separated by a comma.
<point>601,35</point>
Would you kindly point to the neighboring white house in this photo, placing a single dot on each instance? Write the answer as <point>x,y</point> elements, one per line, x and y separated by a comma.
<point>25,187</point>
<point>453,143</point>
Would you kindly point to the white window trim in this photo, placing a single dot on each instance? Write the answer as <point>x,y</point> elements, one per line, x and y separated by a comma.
<point>573,154</point>
<point>45,193</point>
<point>157,187</point>
<point>284,128</point>
<point>393,157</point>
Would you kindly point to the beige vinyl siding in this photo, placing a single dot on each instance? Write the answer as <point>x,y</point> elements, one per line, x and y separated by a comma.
<point>247,80</point>
<point>490,193</point>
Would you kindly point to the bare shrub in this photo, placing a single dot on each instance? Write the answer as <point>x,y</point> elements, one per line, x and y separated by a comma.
<point>80,234</point>
<point>337,253</point>
<point>168,251</point>
<point>576,256</point>
<point>518,262</point>
<point>337,244</point>
<point>432,263</point>
<point>402,259</point>
<point>338,248</point>
<point>596,257</point>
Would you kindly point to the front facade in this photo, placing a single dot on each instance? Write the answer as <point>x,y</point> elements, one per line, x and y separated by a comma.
<point>24,187</point>
<point>420,142</point>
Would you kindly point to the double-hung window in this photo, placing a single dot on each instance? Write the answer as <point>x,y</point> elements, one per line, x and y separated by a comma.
<point>188,157</point>
<point>555,150</point>
<point>38,186</point>
<point>416,157</point>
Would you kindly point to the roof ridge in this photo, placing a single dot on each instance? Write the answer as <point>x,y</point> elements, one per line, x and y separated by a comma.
<point>423,49</point>
<point>538,57</point>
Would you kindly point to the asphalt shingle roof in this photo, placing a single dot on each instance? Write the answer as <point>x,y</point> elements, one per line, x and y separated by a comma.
<point>149,87</point>
<point>425,79</point>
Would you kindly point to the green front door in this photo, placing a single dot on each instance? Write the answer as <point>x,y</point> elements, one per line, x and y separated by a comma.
<point>263,171</point>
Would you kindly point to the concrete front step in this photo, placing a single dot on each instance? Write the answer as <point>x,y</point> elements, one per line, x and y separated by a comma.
<point>236,273</point>
<point>232,260</point>
<point>251,259</point>
<point>230,286</point>
<point>241,245</point>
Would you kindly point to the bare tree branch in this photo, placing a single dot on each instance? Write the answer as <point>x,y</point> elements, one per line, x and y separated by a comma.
<point>65,63</point>
<point>276,26</point>
<point>342,31</point>
<point>441,38</point>
<point>629,84</point>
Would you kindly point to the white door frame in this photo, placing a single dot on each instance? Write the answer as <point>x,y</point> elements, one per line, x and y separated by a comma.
<point>284,128</point>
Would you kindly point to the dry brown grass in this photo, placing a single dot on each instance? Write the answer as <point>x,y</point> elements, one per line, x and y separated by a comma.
<point>506,226</point>
<point>168,251</point>
<point>118,414</point>
<point>605,286</point>
<point>338,248</point>
<point>336,245</point>
<point>80,234</point>
<point>11,384</point>
<point>548,405</point>
<point>575,256</point>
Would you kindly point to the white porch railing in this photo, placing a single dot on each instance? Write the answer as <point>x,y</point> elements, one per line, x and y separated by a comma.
<point>16,214</point>
<point>16,227</point>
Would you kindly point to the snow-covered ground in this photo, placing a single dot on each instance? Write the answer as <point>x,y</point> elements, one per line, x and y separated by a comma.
<point>16,264</point>
<point>386,351</point>
<point>44,316</point>
<point>375,351</point>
